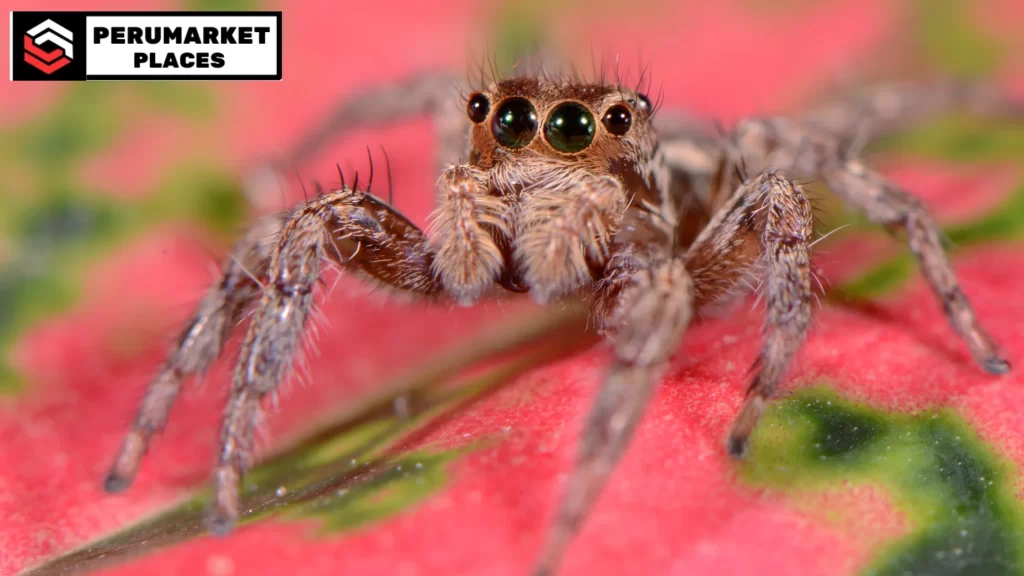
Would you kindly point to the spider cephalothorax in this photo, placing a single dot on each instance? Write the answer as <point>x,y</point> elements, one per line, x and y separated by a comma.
<point>552,167</point>
<point>566,189</point>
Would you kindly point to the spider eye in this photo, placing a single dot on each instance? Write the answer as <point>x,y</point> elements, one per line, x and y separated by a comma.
<point>617,120</point>
<point>643,103</point>
<point>515,123</point>
<point>478,108</point>
<point>569,127</point>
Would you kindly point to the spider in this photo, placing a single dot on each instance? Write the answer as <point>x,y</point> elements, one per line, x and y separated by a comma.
<point>569,188</point>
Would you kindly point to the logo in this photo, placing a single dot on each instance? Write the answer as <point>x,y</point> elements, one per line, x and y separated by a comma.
<point>48,46</point>
<point>49,62</point>
<point>145,46</point>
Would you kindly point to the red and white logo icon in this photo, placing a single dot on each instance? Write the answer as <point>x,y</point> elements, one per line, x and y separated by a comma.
<point>49,62</point>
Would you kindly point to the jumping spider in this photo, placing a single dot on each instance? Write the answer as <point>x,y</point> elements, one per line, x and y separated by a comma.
<point>567,191</point>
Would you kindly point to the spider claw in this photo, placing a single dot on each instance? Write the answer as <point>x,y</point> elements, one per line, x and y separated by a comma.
<point>736,446</point>
<point>115,483</point>
<point>219,524</point>
<point>743,427</point>
<point>542,570</point>
<point>550,558</point>
<point>996,365</point>
<point>126,465</point>
<point>224,512</point>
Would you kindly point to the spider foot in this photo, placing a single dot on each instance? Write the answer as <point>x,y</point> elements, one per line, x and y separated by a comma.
<point>996,365</point>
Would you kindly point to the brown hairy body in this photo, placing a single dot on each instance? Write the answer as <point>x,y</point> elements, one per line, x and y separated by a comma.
<point>569,189</point>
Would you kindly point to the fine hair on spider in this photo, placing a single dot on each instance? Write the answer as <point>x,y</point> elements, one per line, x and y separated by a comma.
<point>567,187</point>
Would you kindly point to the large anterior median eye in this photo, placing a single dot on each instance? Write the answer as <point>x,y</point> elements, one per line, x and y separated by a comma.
<point>569,127</point>
<point>515,123</point>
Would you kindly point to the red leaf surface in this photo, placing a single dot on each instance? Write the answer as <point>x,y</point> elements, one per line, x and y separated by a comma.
<point>676,505</point>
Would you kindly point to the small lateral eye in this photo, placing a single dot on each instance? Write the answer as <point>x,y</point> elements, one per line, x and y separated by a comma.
<point>617,120</point>
<point>514,123</point>
<point>643,103</point>
<point>478,108</point>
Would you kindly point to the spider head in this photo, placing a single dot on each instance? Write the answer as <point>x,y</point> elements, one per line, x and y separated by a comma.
<point>524,126</point>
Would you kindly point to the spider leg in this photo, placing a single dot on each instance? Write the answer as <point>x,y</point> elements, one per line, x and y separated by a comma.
<point>565,232</point>
<point>425,94</point>
<point>466,224</point>
<point>651,307</point>
<point>777,141</point>
<point>355,230</point>
<point>885,203</point>
<point>777,209</point>
<point>199,344</point>
<point>888,108</point>
<point>675,124</point>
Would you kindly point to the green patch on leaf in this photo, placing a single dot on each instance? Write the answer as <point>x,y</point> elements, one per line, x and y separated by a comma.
<point>26,294</point>
<point>10,381</point>
<point>85,119</point>
<point>952,42</point>
<point>186,99</point>
<point>841,433</point>
<point>404,483</point>
<point>1006,222</point>
<point>779,9</point>
<point>206,195</point>
<point>519,34</point>
<point>222,5</point>
<point>57,235</point>
<point>962,138</point>
<point>958,496</point>
<point>882,279</point>
<point>64,220</point>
